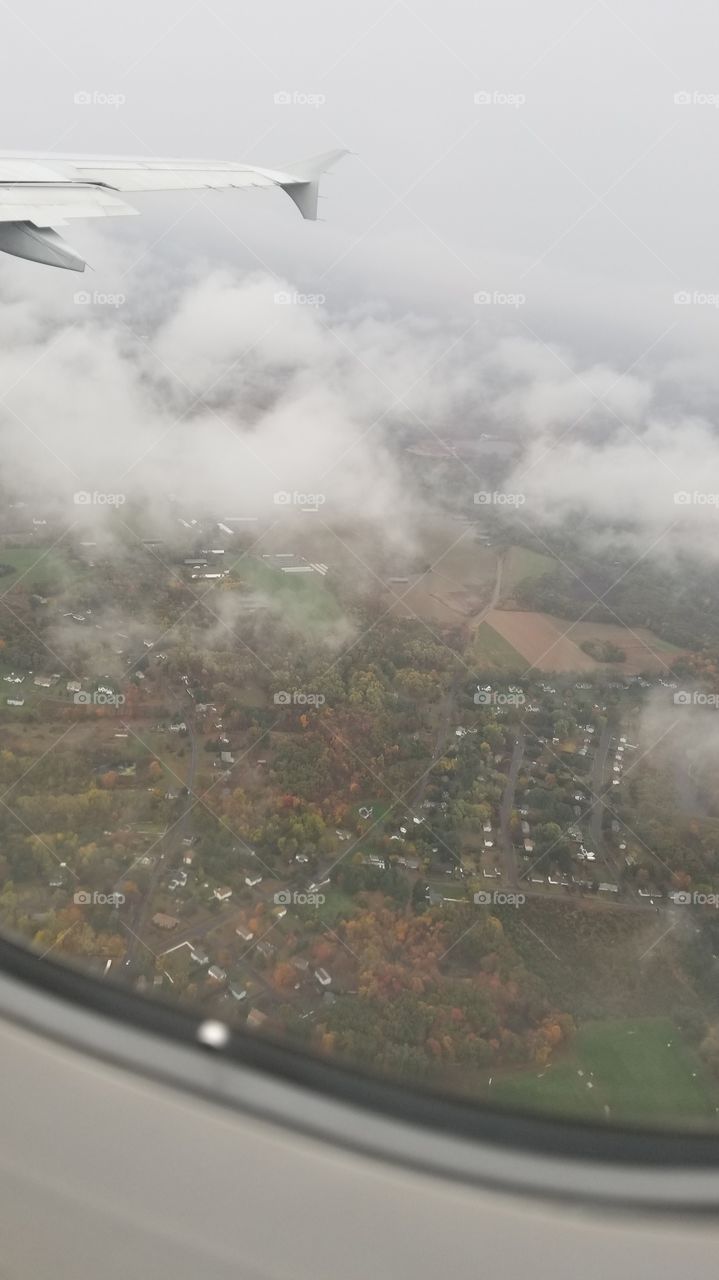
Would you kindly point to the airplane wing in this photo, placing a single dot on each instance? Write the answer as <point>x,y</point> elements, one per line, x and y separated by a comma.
<point>40,192</point>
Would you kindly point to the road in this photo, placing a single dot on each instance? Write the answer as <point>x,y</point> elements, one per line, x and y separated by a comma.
<point>486,609</point>
<point>596,824</point>
<point>447,706</point>
<point>447,710</point>
<point>167,848</point>
<point>599,766</point>
<point>509,856</point>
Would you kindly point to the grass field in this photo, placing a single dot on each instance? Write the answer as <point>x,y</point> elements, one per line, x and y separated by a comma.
<point>305,599</point>
<point>336,904</point>
<point>521,563</point>
<point>489,651</point>
<point>640,1069</point>
<point>35,566</point>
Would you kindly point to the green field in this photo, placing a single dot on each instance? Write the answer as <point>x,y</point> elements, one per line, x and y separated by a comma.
<point>521,564</point>
<point>336,904</point>
<point>305,599</point>
<point>639,1069</point>
<point>489,651</point>
<point>37,567</point>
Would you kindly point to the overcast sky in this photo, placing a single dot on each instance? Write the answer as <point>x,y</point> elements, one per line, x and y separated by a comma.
<point>594,197</point>
<point>561,154</point>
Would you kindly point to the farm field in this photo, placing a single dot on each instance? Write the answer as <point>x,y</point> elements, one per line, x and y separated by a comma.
<point>457,586</point>
<point>622,1070</point>
<point>490,651</point>
<point>553,644</point>
<point>521,564</point>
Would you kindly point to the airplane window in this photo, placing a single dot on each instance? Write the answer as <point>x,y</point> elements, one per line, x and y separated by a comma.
<point>359,596</point>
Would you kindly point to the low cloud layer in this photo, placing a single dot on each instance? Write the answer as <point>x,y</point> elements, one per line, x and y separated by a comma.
<point>239,387</point>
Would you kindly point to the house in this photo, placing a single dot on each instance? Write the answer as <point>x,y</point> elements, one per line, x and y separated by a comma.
<point>43,682</point>
<point>222,894</point>
<point>216,973</point>
<point>252,880</point>
<point>246,934</point>
<point>323,977</point>
<point>73,686</point>
<point>279,912</point>
<point>162,921</point>
<point>199,956</point>
<point>238,993</point>
<point>188,858</point>
<point>529,846</point>
<point>525,828</point>
<point>301,964</point>
<point>256,1018</point>
<point>265,949</point>
<point>227,757</point>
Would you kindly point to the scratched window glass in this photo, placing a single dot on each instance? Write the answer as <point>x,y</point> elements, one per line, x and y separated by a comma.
<point>359,607</point>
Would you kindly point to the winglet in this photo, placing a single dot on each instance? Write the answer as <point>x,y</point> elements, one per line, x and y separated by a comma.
<point>304,188</point>
<point>39,244</point>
